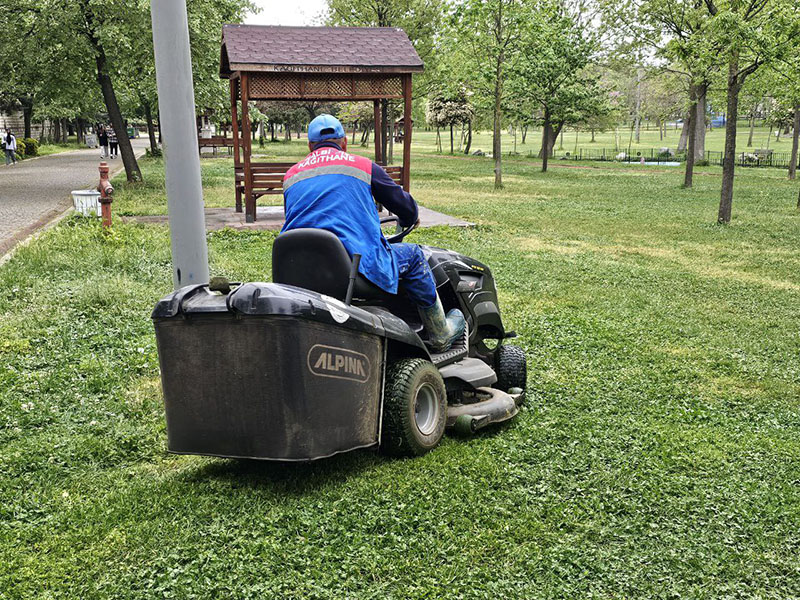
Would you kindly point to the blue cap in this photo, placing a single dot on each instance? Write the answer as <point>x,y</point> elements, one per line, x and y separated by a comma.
<point>325,127</point>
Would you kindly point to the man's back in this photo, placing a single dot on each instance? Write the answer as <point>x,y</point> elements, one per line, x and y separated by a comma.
<point>332,189</point>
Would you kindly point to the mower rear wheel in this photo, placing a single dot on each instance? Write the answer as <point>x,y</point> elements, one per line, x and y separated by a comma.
<point>414,408</point>
<point>511,367</point>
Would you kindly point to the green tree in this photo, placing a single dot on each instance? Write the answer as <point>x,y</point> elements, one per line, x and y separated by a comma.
<point>420,19</point>
<point>551,74</point>
<point>447,109</point>
<point>487,32</point>
<point>750,34</point>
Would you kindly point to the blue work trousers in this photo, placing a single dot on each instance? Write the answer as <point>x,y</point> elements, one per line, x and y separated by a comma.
<point>415,274</point>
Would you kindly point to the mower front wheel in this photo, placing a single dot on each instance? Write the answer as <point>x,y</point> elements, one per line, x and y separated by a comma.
<point>511,367</point>
<point>414,408</point>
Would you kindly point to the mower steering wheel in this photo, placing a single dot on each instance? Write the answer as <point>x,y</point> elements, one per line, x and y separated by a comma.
<point>397,237</point>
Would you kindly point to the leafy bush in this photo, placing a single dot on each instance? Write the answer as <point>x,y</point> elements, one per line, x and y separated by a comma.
<point>20,149</point>
<point>156,153</point>
<point>701,163</point>
<point>31,147</point>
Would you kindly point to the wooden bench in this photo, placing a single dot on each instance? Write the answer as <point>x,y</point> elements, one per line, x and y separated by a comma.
<point>215,142</point>
<point>268,179</point>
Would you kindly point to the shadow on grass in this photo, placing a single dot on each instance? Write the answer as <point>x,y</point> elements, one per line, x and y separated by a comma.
<point>287,477</point>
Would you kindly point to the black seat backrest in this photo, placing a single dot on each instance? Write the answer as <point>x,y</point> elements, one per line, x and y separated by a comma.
<point>314,259</point>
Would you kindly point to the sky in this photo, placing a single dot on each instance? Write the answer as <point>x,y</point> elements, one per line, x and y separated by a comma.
<point>287,12</point>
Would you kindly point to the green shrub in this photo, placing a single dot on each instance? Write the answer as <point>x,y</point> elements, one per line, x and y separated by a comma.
<point>20,149</point>
<point>156,153</point>
<point>701,163</point>
<point>31,147</point>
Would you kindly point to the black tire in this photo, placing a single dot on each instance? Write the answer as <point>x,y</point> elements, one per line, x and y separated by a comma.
<point>511,367</point>
<point>414,408</point>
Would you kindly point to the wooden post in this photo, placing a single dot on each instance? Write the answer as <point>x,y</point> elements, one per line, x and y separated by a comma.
<point>235,129</point>
<point>235,118</point>
<point>249,197</point>
<point>407,128</point>
<point>378,132</point>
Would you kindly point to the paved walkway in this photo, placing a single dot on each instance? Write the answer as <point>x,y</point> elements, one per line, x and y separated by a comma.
<point>35,191</point>
<point>271,217</point>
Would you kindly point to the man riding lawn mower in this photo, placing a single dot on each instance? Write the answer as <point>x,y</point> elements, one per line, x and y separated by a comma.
<point>333,190</point>
<point>350,347</point>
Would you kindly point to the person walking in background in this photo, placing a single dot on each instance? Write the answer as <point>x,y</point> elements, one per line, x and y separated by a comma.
<point>102,139</point>
<point>10,146</point>
<point>112,142</point>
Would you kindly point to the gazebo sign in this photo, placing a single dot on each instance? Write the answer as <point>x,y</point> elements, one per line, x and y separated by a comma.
<point>312,63</point>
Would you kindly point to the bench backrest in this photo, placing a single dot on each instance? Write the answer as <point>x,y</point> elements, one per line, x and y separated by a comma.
<point>270,175</point>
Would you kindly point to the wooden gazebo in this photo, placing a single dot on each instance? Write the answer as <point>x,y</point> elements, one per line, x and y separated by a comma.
<point>307,64</point>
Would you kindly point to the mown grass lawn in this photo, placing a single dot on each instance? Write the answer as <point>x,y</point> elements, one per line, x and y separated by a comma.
<point>658,455</point>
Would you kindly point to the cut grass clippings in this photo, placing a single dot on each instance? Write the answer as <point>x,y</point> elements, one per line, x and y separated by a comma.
<point>658,454</point>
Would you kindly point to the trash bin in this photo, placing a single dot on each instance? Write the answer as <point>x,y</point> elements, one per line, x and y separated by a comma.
<point>132,132</point>
<point>87,202</point>
<point>91,140</point>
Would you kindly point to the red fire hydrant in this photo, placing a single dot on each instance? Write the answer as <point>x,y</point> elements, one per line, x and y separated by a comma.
<point>106,194</point>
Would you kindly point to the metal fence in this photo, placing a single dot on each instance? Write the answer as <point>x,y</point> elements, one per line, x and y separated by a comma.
<point>749,158</point>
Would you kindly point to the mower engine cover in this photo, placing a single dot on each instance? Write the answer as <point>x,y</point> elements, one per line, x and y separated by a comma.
<point>270,371</point>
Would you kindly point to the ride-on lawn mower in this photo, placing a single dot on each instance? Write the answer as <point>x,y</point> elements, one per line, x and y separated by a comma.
<point>322,361</point>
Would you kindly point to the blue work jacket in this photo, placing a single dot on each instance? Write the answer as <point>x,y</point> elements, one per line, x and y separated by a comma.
<point>334,190</point>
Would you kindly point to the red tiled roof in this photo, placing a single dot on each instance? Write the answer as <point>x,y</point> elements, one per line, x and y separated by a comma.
<point>322,49</point>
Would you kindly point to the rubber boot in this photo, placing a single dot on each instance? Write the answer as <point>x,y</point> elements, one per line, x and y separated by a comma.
<point>442,330</point>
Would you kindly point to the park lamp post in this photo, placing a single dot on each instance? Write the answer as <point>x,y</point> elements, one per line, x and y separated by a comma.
<point>177,120</point>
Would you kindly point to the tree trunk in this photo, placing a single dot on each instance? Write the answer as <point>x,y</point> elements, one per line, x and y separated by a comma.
<point>729,162</point>
<point>524,133</point>
<point>151,129</point>
<point>683,140</point>
<point>132,171</point>
<point>700,127</point>
<point>27,113</point>
<point>553,136</point>
<point>694,110</point>
<point>593,135</point>
<point>451,138</point>
<point>353,141</point>
<point>752,128</point>
<point>498,118</point>
<point>795,143</point>
<point>546,139</point>
<point>638,115</point>
<point>438,140</point>
<point>469,137</point>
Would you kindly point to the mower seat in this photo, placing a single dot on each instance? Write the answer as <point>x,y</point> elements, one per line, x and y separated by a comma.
<point>315,259</point>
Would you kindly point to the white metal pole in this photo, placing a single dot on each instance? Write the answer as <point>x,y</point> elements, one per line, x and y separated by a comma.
<point>177,120</point>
